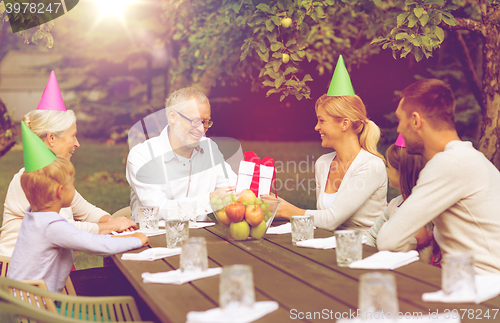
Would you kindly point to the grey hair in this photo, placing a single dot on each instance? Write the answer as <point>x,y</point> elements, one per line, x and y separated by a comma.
<point>178,100</point>
<point>42,122</point>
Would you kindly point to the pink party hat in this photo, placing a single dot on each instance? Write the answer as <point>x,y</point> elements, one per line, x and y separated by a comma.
<point>400,142</point>
<point>51,97</point>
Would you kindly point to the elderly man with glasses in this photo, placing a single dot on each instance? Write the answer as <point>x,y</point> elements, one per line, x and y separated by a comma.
<point>181,163</point>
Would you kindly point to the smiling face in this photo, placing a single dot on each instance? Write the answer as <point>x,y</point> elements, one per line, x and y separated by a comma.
<point>182,130</point>
<point>66,144</point>
<point>329,127</point>
<point>406,127</point>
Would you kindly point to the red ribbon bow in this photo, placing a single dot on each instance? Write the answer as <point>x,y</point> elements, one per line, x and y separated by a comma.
<point>251,156</point>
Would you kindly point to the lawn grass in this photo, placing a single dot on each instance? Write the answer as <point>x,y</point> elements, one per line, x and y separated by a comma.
<point>100,176</point>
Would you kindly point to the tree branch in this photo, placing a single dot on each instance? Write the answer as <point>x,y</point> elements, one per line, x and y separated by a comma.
<point>466,24</point>
<point>468,67</point>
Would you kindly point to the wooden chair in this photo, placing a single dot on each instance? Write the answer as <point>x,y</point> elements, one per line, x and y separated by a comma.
<point>68,289</point>
<point>102,309</point>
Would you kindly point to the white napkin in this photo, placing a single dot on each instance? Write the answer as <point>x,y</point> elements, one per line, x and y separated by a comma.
<point>192,225</point>
<point>233,314</point>
<point>487,287</point>
<point>386,260</point>
<point>322,243</point>
<point>152,254</point>
<point>148,234</point>
<point>178,277</point>
<point>197,225</point>
<point>425,318</point>
<point>280,229</point>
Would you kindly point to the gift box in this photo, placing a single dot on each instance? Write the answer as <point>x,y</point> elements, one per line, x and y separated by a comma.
<point>256,175</point>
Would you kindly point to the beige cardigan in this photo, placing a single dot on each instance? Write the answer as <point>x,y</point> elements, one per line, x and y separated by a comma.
<point>459,191</point>
<point>361,197</point>
<point>85,214</point>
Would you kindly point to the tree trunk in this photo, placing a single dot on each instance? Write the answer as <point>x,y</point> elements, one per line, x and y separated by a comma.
<point>7,131</point>
<point>489,140</point>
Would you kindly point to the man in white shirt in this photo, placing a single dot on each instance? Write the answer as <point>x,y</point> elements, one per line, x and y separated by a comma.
<point>458,189</point>
<point>181,163</point>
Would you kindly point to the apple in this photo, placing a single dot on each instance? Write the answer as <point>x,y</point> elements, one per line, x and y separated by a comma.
<point>286,22</point>
<point>254,215</point>
<point>247,196</point>
<point>239,230</point>
<point>222,217</point>
<point>258,232</point>
<point>235,211</point>
<point>285,58</point>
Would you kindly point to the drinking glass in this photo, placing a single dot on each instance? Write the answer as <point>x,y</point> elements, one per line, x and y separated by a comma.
<point>177,231</point>
<point>378,297</point>
<point>458,274</point>
<point>349,247</point>
<point>302,228</point>
<point>149,219</point>
<point>236,286</point>
<point>194,255</point>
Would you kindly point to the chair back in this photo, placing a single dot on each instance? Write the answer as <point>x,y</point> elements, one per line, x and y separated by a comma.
<point>102,309</point>
<point>68,289</point>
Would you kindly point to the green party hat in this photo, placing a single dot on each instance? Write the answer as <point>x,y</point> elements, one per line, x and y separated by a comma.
<point>341,82</point>
<point>36,154</point>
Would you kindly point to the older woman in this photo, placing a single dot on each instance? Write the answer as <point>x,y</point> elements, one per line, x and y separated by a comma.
<point>58,130</point>
<point>351,181</point>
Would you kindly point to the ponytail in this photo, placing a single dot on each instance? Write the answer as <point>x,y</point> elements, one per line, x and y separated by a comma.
<point>369,137</point>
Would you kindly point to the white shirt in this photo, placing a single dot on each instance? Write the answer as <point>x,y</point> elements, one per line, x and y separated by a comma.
<point>158,177</point>
<point>328,199</point>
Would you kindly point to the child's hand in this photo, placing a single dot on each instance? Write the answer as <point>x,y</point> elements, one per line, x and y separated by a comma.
<point>142,236</point>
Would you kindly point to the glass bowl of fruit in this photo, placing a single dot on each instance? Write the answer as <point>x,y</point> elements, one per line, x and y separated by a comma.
<point>244,217</point>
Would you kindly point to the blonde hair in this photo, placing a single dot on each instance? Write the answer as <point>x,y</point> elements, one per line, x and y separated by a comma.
<point>42,122</point>
<point>40,186</point>
<point>353,108</point>
<point>179,99</point>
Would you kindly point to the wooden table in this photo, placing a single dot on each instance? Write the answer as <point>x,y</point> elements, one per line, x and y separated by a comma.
<point>307,283</point>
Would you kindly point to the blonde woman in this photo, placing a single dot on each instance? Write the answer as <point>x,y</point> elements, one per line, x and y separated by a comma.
<point>58,131</point>
<point>351,181</point>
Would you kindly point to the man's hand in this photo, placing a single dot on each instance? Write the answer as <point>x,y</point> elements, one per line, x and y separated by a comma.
<point>222,192</point>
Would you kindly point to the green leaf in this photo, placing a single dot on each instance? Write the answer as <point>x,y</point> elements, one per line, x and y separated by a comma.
<point>418,12</point>
<point>417,52</point>
<point>268,83</point>
<point>439,33</point>
<point>262,47</point>
<point>309,56</point>
<point>301,14</point>
<point>276,65</point>
<point>301,53</point>
<point>306,78</point>
<point>272,74</point>
<point>412,20</point>
<point>276,46</point>
<point>282,97</point>
<point>277,54</point>
<point>378,3</point>
<point>264,56</point>
<point>402,18</point>
<point>320,12</point>
<point>272,37</point>
<point>424,19</point>
<point>291,83</point>
<point>402,36</point>
<point>271,91</point>
<point>263,7</point>
<point>449,19</point>
<point>269,25</point>
<point>290,70</point>
<point>295,57</point>
<point>436,2</point>
<point>276,20</point>
<point>279,81</point>
<point>291,42</point>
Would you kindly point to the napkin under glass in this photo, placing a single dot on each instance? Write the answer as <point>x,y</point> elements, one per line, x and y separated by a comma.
<point>179,277</point>
<point>322,243</point>
<point>152,254</point>
<point>192,225</point>
<point>487,287</point>
<point>281,229</point>
<point>386,260</point>
<point>425,318</point>
<point>233,314</point>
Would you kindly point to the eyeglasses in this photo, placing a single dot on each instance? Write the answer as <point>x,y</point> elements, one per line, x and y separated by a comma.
<point>195,123</point>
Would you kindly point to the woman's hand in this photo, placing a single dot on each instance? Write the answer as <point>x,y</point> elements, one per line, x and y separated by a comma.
<point>286,209</point>
<point>107,224</point>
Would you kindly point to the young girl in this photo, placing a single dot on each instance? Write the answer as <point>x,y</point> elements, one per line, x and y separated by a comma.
<point>403,170</point>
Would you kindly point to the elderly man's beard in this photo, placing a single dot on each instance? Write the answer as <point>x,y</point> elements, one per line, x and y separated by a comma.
<point>184,138</point>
